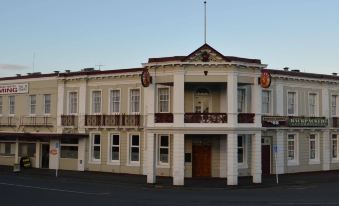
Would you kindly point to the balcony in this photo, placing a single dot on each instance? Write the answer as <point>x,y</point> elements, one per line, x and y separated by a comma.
<point>69,120</point>
<point>122,120</point>
<point>163,118</point>
<point>8,121</point>
<point>246,117</point>
<point>205,118</point>
<point>335,121</point>
<point>36,121</point>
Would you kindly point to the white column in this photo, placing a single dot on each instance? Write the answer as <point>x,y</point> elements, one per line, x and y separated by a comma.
<point>179,98</point>
<point>280,153</point>
<point>178,159</point>
<point>232,99</point>
<point>326,150</point>
<point>37,154</point>
<point>82,106</point>
<point>279,99</point>
<point>16,156</point>
<point>151,160</point>
<point>60,104</point>
<point>256,157</point>
<point>81,154</point>
<point>223,156</point>
<point>149,104</point>
<point>232,159</point>
<point>256,102</point>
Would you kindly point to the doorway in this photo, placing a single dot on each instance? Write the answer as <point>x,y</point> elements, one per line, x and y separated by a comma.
<point>202,101</point>
<point>45,156</point>
<point>266,156</point>
<point>201,162</point>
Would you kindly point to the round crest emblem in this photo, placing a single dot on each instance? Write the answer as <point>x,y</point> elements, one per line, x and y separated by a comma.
<point>205,57</point>
<point>145,78</point>
<point>265,79</point>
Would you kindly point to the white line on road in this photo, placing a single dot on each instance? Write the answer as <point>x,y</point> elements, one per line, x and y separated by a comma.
<point>53,189</point>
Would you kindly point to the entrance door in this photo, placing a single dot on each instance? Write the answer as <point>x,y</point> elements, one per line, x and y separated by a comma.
<point>266,159</point>
<point>201,162</point>
<point>45,156</point>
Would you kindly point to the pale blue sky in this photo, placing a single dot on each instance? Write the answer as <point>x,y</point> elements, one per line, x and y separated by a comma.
<point>73,34</point>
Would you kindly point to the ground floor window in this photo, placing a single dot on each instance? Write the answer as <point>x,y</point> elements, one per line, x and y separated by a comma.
<point>27,149</point>
<point>335,146</point>
<point>95,147</point>
<point>163,149</point>
<point>69,148</point>
<point>241,149</point>
<point>134,144</point>
<point>292,149</point>
<point>115,147</point>
<point>7,148</point>
<point>314,148</point>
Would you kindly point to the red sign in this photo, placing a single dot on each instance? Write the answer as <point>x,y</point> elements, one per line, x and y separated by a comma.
<point>54,151</point>
<point>146,78</point>
<point>265,79</point>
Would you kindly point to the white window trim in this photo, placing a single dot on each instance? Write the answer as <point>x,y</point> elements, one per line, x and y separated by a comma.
<point>50,105</point>
<point>244,164</point>
<point>334,160</point>
<point>30,105</point>
<point>317,102</point>
<point>294,162</point>
<point>317,149</point>
<point>2,104</point>
<point>271,102</point>
<point>337,108</point>
<point>210,102</point>
<point>91,101</point>
<point>129,162</point>
<point>91,159</point>
<point>169,98</point>
<point>129,100</point>
<point>245,98</point>
<point>6,155</point>
<point>159,163</point>
<point>9,106</point>
<point>109,149</point>
<point>110,102</point>
<point>68,102</point>
<point>295,104</point>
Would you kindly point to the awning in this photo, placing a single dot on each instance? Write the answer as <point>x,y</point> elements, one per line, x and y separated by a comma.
<point>38,136</point>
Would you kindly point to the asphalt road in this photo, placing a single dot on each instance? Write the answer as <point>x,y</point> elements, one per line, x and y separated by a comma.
<point>48,191</point>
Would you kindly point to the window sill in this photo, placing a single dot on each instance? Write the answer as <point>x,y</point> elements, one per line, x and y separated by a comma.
<point>292,163</point>
<point>96,162</point>
<point>242,165</point>
<point>6,156</point>
<point>134,164</point>
<point>335,161</point>
<point>114,163</point>
<point>165,166</point>
<point>314,162</point>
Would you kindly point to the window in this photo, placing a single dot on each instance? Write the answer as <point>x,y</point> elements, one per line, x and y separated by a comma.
<point>163,142</point>
<point>95,147</point>
<point>11,104</point>
<point>314,148</point>
<point>96,102</point>
<point>312,104</point>
<point>134,148</point>
<point>27,149</point>
<point>7,148</point>
<point>241,149</point>
<point>241,100</point>
<point>291,149</point>
<point>47,103</point>
<point>72,102</point>
<point>291,110</point>
<point>32,104</point>
<point>69,148</point>
<point>163,94</point>
<point>334,105</point>
<point>115,147</point>
<point>266,102</point>
<point>115,101</point>
<point>334,146</point>
<point>135,100</point>
<point>1,105</point>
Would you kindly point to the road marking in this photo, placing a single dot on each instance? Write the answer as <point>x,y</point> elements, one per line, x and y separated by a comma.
<point>53,189</point>
<point>296,203</point>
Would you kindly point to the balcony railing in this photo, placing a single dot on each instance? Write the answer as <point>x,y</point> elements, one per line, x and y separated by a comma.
<point>69,120</point>
<point>246,117</point>
<point>335,121</point>
<point>122,120</point>
<point>163,118</point>
<point>43,121</point>
<point>205,118</point>
<point>8,121</point>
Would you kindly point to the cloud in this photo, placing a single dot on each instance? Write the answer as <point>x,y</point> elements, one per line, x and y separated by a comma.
<point>10,67</point>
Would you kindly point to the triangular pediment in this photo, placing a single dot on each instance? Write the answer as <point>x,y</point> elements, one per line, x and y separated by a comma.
<point>205,53</point>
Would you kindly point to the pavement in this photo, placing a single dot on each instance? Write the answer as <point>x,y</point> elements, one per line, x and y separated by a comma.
<point>297,179</point>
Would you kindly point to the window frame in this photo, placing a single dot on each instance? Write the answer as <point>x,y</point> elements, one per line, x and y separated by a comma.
<point>93,160</point>
<point>110,146</point>
<point>10,106</point>
<point>1,105</point>
<point>243,164</point>
<point>316,160</point>
<point>295,108</point>
<point>316,104</point>
<point>129,150</point>
<point>335,159</point>
<point>30,105</point>
<point>270,103</point>
<point>295,161</point>
<point>12,151</point>
<point>69,102</point>
<point>92,101</point>
<point>69,145</point>
<point>159,147</point>
<point>50,104</point>
<point>168,99</point>
<point>335,112</point>
<point>130,100</point>
<point>245,100</point>
<point>111,102</point>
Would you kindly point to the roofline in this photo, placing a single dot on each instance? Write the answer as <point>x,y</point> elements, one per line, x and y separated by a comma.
<point>303,74</point>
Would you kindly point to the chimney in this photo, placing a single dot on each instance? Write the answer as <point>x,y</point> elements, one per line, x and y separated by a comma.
<point>56,72</point>
<point>67,71</point>
<point>18,75</point>
<point>295,70</point>
<point>335,74</point>
<point>286,68</point>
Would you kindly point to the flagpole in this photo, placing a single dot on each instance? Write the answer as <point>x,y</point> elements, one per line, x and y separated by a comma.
<point>205,22</point>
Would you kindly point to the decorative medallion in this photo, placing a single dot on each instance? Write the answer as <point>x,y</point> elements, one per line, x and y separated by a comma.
<point>146,78</point>
<point>205,56</point>
<point>265,79</point>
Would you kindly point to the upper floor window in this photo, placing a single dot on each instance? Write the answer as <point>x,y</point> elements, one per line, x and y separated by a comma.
<point>266,102</point>
<point>47,103</point>
<point>241,100</point>
<point>134,100</point>
<point>334,105</point>
<point>291,104</point>
<point>115,101</point>
<point>11,100</point>
<point>312,104</point>
<point>32,104</point>
<point>96,102</point>
<point>163,94</point>
<point>72,102</point>
<point>1,105</point>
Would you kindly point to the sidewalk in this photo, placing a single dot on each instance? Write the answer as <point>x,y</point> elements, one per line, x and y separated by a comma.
<point>298,179</point>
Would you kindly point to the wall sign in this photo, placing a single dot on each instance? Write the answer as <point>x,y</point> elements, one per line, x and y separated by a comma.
<point>13,89</point>
<point>146,78</point>
<point>265,79</point>
<point>307,122</point>
<point>274,121</point>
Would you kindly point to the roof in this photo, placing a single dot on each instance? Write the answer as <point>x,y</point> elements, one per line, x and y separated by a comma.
<point>303,74</point>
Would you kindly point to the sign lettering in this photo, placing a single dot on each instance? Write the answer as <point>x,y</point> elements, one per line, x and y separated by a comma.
<point>14,89</point>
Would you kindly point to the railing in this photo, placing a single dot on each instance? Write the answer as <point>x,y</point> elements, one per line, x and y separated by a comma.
<point>113,120</point>
<point>8,121</point>
<point>69,120</point>
<point>163,118</point>
<point>205,118</point>
<point>335,121</point>
<point>246,117</point>
<point>45,121</point>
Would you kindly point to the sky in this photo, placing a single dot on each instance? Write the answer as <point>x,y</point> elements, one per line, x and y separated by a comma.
<point>74,34</point>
